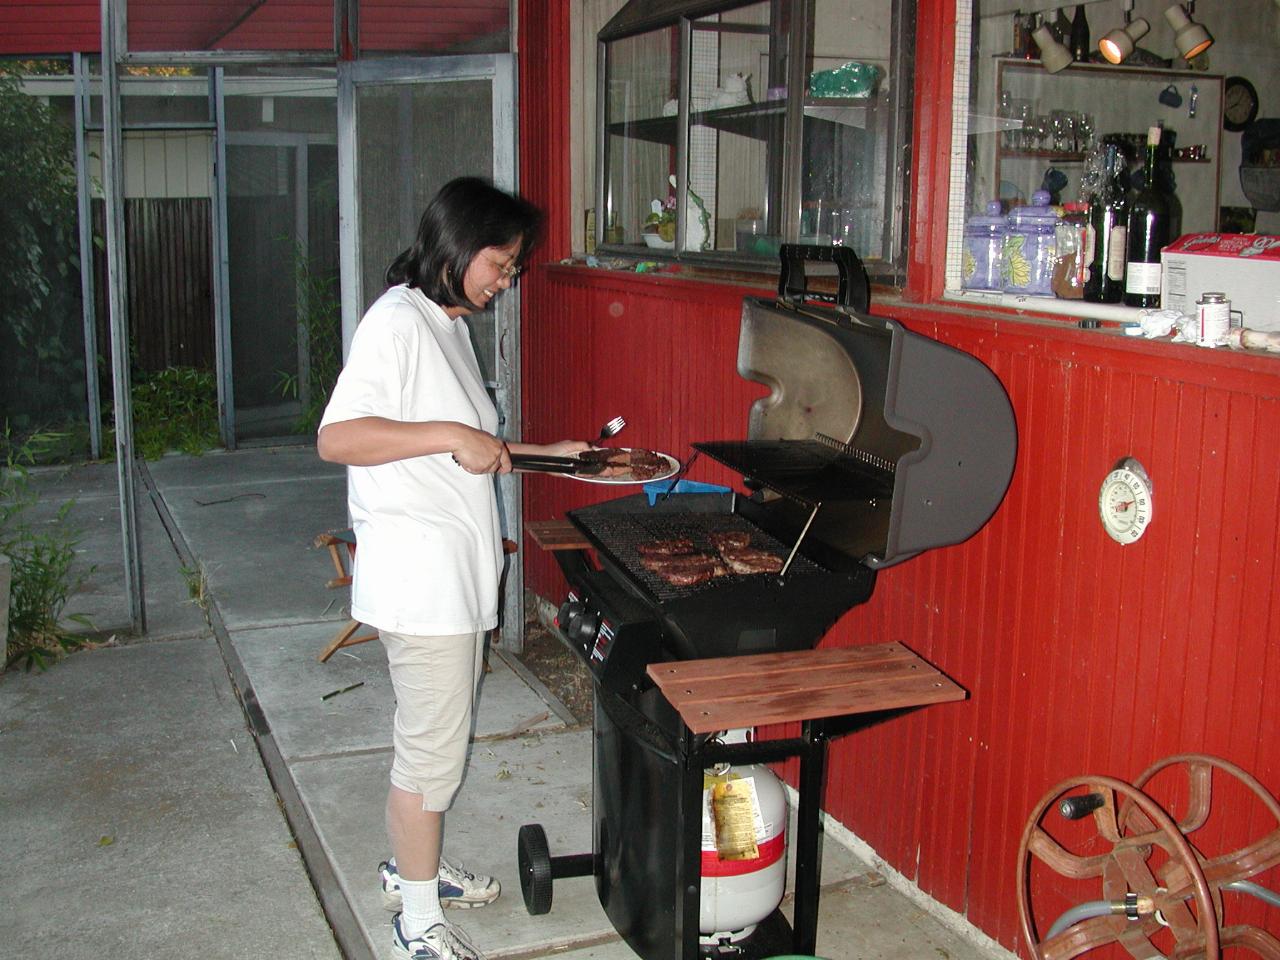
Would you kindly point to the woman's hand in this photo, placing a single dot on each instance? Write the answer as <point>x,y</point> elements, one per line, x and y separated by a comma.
<point>478,452</point>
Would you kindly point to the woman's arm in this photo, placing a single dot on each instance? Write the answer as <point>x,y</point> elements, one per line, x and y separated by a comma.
<point>369,441</point>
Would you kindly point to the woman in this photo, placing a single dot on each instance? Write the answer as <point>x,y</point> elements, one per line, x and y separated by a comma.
<point>411,419</point>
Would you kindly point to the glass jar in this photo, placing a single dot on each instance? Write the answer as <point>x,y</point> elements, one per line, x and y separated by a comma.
<point>983,250</point>
<point>1030,248</point>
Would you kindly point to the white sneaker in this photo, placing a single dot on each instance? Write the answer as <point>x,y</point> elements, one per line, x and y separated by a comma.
<point>458,887</point>
<point>444,941</point>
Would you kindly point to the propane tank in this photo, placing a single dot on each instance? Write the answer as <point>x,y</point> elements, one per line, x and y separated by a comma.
<point>744,846</point>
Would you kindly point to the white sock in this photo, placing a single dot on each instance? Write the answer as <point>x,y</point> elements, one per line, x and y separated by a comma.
<point>421,909</point>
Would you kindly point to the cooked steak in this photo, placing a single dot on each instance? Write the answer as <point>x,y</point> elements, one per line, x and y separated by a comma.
<point>665,548</point>
<point>685,570</point>
<point>729,538</point>
<point>620,462</point>
<point>613,456</point>
<point>750,560</point>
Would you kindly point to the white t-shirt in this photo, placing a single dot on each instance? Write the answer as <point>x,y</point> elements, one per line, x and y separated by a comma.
<point>429,543</point>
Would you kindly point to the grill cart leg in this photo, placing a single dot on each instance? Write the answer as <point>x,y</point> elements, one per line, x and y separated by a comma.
<point>538,868</point>
<point>813,763</point>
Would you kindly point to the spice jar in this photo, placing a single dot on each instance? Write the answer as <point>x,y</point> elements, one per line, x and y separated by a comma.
<point>983,243</point>
<point>1030,248</point>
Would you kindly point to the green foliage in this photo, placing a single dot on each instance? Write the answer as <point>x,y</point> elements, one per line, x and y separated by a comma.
<point>42,556</point>
<point>320,310</point>
<point>41,357</point>
<point>175,409</point>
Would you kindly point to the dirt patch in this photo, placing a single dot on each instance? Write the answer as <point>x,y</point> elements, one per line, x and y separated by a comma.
<point>547,658</point>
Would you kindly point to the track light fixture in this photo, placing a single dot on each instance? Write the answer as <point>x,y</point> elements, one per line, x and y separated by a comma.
<point>1053,54</point>
<point>1117,45</point>
<point>1191,38</point>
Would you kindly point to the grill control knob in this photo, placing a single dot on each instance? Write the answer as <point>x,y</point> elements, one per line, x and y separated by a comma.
<point>568,611</point>
<point>582,629</point>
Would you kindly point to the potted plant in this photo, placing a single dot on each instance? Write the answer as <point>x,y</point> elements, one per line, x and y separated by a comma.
<point>660,226</point>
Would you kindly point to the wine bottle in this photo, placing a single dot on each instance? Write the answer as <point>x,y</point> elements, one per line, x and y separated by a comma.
<point>1148,232</point>
<point>1105,247</point>
<point>1080,35</point>
<point>1061,28</point>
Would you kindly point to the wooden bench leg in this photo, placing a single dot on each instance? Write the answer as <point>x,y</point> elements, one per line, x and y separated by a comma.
<point>345,639</point>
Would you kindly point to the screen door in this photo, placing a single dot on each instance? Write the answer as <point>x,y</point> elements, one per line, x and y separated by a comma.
<point>405,128</point>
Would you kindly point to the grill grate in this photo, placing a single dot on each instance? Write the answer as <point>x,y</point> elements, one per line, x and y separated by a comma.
<point>619,534</point>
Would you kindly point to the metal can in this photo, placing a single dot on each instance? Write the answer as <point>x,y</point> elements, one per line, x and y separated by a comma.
<point>1213,315</point>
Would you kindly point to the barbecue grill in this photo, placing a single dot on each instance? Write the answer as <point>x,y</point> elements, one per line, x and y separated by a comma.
<point>874,444</point>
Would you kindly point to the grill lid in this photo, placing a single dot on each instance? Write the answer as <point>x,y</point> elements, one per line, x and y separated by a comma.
<point>873,440</point>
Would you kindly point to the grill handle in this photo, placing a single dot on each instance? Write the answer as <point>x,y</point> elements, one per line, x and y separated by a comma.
<point>854,290</point>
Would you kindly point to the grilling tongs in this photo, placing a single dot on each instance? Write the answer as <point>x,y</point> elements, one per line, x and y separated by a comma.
<point>548,464</point>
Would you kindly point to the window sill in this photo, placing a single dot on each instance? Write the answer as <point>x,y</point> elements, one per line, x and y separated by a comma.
<point>1075,309</point>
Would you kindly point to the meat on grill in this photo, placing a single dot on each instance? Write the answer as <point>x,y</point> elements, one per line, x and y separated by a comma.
<point>665,548</point>
<point>729,538</point>
<point>686,569</point>
<point>747,560</point>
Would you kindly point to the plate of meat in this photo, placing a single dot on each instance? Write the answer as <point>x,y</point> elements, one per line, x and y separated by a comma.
<point>626,465</point>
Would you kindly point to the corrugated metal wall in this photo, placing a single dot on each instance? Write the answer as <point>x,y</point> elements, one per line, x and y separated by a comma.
<point>169,270</point>
<point>1080,656</point>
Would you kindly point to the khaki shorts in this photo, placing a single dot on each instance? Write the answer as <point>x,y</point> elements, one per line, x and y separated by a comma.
<point>435,680</point>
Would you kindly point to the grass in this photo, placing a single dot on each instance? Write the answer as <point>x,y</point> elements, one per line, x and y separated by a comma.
<point>43,556</point>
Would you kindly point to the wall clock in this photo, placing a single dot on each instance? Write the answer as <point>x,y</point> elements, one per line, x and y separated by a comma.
<point>1239,104</point>
<point>1124,502</point>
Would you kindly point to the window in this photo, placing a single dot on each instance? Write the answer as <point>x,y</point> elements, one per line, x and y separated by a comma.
<point>1022,128</point>
<point>723,134</point>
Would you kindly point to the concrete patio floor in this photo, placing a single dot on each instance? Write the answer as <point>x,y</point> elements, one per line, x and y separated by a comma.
<point>203,788</point>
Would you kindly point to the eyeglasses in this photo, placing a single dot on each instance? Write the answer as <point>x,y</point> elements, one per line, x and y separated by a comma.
<point>506,270</point>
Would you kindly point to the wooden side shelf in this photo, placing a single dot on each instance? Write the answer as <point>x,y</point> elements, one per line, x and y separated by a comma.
<point>556,535</point>
<point>731,692</point>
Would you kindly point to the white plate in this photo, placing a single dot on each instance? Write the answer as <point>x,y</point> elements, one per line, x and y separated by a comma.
<point>673,467</point>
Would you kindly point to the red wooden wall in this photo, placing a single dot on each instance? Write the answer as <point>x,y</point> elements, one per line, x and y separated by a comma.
<point>1080,656</point>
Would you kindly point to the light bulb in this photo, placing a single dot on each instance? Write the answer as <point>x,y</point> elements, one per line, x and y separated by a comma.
<point>1119,43</point>
<point>1189,37</point>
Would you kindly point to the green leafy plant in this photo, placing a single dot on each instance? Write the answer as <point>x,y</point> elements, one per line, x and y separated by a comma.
<point>175,409</point>
<point>41,357</point>
<point>321,322</point>
<point>43,557</point>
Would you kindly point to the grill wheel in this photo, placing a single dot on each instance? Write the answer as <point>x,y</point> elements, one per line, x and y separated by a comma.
<point>535,869</point>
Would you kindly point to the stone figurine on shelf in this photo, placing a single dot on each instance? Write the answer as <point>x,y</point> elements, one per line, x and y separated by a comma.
<point>735,92</point>
<point>697,220</point>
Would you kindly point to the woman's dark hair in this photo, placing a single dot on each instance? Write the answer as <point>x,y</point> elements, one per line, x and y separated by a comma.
<point>466,216</point>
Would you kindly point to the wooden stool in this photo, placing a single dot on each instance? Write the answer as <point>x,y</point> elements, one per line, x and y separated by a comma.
<point>339,542</point>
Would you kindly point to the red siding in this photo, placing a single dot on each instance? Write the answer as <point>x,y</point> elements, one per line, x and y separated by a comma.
<point>420,26</point>
<point>1080,656</point>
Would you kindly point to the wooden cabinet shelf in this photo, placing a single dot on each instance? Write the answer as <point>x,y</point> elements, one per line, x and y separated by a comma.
<point>1122,101</point>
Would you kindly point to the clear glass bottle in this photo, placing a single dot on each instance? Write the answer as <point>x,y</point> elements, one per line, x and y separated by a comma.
<point>1105,245</point>
<point>1148,232</point>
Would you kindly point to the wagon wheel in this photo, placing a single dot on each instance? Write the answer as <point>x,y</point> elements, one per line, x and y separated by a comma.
<point>1125,870</point>
<point>1249,860</point>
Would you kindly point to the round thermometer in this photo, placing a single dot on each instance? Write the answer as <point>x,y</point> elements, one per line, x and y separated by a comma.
<point>1124,503</point>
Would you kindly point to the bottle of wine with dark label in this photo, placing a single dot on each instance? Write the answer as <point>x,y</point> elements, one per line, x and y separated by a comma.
<point>1105,246</point>
<point>1080,49</point>
<point>1148,228</point>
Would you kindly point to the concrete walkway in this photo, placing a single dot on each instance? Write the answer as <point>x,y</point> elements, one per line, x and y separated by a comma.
<point>205,789</point>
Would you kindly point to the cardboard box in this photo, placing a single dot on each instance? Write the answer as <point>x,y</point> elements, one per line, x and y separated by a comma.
<point>1246,267</point>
